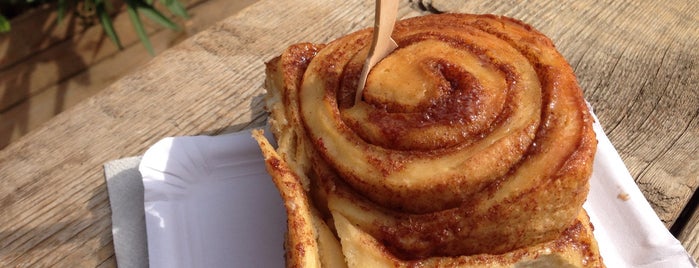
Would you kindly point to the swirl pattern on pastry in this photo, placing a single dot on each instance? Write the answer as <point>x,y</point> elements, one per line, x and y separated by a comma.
<point>472,137</point>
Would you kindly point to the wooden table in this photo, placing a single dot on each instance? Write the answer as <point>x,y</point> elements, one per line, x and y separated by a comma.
<point>636,60</point>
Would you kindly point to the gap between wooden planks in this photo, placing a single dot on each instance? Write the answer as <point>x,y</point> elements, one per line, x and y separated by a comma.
<point>45,73</point>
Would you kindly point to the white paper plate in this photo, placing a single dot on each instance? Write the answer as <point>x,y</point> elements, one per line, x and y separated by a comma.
<point>210,203</point>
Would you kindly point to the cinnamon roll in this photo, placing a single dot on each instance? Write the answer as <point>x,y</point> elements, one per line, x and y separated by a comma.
<point>471,146</point>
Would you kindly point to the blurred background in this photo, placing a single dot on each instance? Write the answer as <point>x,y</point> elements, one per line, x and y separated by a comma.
<point>57,53</point>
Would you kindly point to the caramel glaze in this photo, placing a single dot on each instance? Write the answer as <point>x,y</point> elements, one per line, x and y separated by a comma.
<point>577,237</point>
<point>441,194</point>
<point>522,187</point>
<point>458,105</point>
<point>293,63</point>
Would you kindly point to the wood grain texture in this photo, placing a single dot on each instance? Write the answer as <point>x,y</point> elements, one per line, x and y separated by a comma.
<point>36,61</point>
<point>636,62</point>
<point>17,45</point>
<point>65,70</point>
<point>689,235</point>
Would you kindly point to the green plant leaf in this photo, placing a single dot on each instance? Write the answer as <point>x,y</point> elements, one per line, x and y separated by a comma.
<point>61,10</point>
<point>176,8</point>
<point>132,10</point>
<point>155,15</point>
<point>4,24</point>
<point>106,22</point>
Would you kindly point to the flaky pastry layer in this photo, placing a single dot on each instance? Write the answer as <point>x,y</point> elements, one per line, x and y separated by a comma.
<point>472,145</point>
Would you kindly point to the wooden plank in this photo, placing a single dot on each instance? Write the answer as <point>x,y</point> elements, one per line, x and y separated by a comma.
<point>42,21</point>
<point>109,263</point>
<point>56,97</point>
<point>50,63</point>
<point>33,112</point>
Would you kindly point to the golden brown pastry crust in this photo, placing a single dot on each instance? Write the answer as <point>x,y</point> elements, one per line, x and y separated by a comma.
<point>472,139</point>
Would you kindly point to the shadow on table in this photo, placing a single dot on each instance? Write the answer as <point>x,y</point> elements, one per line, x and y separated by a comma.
<point>37,45</point>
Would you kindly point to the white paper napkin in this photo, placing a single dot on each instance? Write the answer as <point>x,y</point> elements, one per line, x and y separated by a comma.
<point>125,188</point>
